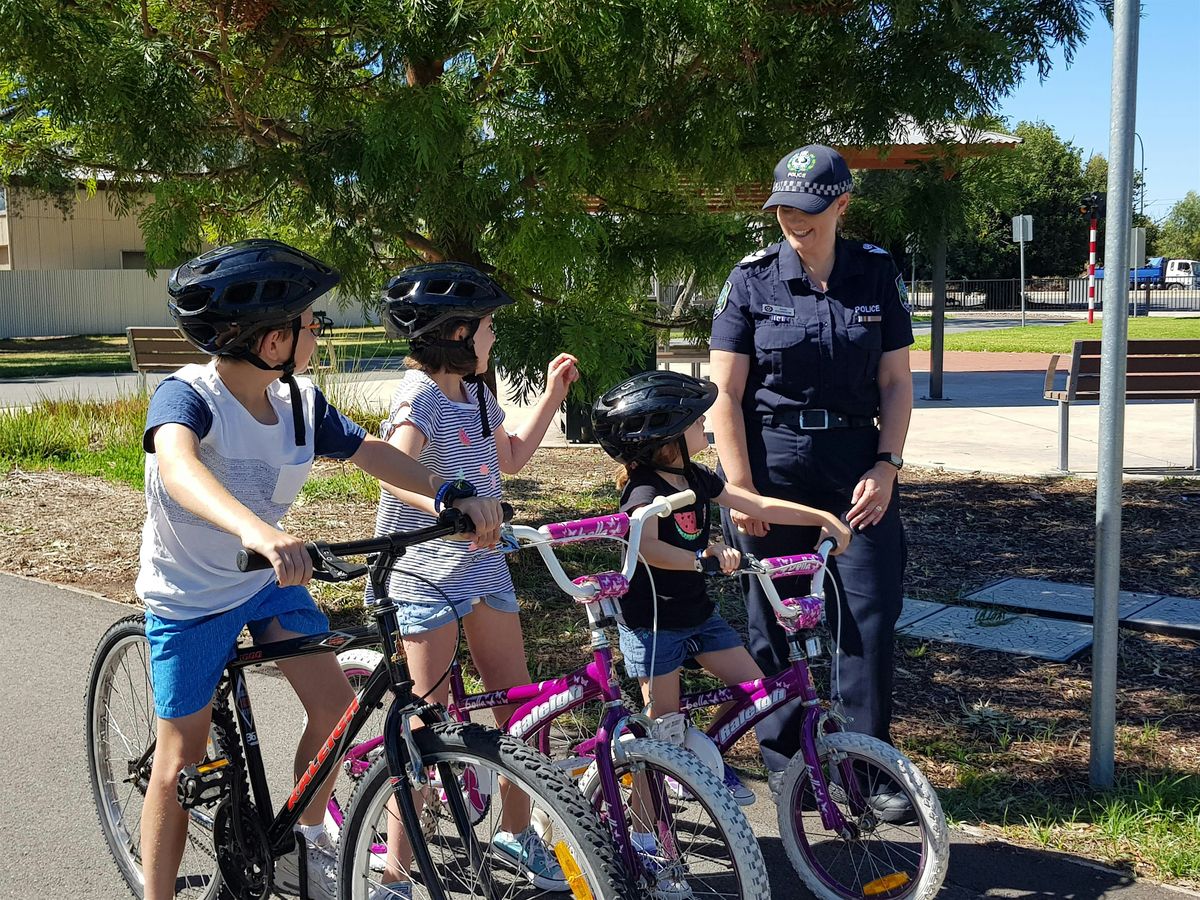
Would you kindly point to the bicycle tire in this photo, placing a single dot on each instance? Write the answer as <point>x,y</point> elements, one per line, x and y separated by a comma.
<point>698,787</point>
<point>909,866</point>
<point>469,744</point>
<point>118,807</point>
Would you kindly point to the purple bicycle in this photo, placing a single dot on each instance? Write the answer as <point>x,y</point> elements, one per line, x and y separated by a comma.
<point>676,827</point>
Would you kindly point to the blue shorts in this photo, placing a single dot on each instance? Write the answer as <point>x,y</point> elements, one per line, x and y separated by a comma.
<point>674,645</point>
<point>418,618</point>
<point>187,656</point>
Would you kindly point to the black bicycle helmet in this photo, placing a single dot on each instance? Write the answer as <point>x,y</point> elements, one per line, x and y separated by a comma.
<point>226,298</point>
<point>423,298</point>
<point>648,411</point>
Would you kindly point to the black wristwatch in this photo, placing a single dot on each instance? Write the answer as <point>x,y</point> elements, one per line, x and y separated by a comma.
<point>891,459</point>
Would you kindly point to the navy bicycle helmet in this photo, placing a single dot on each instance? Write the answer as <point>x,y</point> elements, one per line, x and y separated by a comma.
<point>648,411</point>
<point>421,299</point>
<point>224,300</point>
<point>227,297</point>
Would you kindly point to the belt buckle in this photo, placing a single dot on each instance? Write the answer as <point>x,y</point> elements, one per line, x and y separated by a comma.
<point>805,415</point>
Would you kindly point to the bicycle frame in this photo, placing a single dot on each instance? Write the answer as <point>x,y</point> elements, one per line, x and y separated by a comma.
<point>402,755</point>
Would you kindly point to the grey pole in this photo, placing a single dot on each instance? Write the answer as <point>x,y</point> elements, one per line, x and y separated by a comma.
<point>1142,169</point>
<point>937,327</point>
<point>1022,279</point>
<point>1112,392</point>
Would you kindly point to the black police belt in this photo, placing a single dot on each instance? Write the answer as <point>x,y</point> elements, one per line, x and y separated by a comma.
<point>816,420</point>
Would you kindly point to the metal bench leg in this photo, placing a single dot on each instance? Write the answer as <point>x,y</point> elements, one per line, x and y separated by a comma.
<point>1064,433</point>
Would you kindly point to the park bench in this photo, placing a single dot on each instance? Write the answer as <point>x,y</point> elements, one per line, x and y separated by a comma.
<point>1156,370</point>
<point>165,349</point>
<point>694,356</point>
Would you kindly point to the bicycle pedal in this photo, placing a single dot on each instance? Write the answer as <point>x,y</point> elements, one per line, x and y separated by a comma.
<point>203,783</point>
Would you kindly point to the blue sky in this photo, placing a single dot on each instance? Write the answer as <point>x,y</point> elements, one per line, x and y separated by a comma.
<point>1075,100</point>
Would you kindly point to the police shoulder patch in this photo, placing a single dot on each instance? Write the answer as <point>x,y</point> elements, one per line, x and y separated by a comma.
<point>764,253</point>
<point>902,292</point>
<point>722,299</point>
<point>871,248</point>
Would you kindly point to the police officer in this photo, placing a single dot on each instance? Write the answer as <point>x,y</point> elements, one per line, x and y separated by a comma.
<point>809,343</point>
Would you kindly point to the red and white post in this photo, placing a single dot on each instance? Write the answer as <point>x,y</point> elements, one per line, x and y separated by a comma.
<point>1092,270</point>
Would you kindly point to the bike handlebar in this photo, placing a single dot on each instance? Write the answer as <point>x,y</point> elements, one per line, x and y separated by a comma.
<point>547,536</point>
<point>327,558</point>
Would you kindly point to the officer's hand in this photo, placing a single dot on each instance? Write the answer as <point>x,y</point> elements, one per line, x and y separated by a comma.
<point>748,525</point>
<point>872,496</point>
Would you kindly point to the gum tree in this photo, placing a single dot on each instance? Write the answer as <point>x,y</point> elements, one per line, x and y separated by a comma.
<point>573,147</point>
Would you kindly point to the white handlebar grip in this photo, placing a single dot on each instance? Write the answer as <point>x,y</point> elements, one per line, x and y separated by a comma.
<point>677,501</point>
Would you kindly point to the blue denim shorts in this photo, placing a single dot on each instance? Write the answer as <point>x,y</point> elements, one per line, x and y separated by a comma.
<point>187,656</point>
<point>674,645</point>
<point>418,618</point>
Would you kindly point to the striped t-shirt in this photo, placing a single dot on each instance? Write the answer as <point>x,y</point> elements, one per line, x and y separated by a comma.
<point>454,448</point>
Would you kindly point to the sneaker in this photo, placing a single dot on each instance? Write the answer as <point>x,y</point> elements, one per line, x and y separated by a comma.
<point>322,869</point>
<point>670,882</point>
<point>397,890</point>
<point>741,794</point>
<point>529,854</point>
<point>774,783</point>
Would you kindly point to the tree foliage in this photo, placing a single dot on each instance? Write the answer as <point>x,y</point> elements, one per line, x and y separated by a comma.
<point>1179,235</point>
<point>569,146</point>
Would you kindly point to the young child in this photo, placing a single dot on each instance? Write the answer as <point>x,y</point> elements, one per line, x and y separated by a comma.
<point>444,415</point>
<point>228,447</point>
<point>653,423</point>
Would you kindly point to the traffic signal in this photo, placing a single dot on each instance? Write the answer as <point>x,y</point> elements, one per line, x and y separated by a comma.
<point>1092,205</point>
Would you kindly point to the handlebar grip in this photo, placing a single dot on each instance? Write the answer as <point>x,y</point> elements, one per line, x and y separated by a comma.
<point>678,501</point>
<point>249,561</point>
<point>711,565</point>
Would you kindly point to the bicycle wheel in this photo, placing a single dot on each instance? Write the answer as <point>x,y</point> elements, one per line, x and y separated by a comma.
<point>580,844</point>
<point>703,844</point>
<point>120,732</point>
<point>875,859</point>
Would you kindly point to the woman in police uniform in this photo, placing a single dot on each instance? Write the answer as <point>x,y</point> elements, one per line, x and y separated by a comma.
<point>809,343</point>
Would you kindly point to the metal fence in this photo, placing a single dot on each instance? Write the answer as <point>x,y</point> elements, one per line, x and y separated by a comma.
<point>1045,294</point>
<point>101,301</point>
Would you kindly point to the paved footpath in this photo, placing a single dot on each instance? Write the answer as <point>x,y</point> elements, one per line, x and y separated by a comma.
<point>52,843</point>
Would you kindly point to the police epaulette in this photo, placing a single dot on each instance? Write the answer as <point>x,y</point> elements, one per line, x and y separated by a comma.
<point>764,253</point>
<point>871,248</point>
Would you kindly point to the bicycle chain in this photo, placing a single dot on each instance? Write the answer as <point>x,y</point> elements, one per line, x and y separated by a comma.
<point>242,806</point>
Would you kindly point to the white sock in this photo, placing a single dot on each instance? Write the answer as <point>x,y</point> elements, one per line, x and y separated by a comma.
<point>312,833</point>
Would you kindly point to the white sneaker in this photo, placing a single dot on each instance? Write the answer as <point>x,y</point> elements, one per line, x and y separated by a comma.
<point>397,890</point>
<point>322,869</point>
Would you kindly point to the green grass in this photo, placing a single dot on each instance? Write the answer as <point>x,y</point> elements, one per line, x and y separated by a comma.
<point>356,348</point>
<point>1059,338</point>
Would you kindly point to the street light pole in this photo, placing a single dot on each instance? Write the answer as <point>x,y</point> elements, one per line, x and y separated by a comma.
<point>1142,170</point>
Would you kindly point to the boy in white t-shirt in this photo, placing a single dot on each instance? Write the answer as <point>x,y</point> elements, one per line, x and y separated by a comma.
<point>228,447</point>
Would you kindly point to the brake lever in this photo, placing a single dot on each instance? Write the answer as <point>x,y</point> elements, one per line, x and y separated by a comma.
<point>334,568</point>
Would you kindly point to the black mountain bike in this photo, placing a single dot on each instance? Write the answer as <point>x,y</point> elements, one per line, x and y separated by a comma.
<point>234,837</point>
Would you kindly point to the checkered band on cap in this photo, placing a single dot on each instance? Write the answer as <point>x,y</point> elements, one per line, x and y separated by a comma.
<point>800,186</point>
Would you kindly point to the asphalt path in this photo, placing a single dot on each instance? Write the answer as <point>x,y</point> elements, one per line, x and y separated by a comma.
<point>52,842</point>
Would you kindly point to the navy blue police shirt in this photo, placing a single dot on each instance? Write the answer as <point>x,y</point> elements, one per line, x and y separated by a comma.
<point>810,349</point>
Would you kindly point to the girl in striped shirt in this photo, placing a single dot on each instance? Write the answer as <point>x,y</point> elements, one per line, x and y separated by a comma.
<point>444,416</point>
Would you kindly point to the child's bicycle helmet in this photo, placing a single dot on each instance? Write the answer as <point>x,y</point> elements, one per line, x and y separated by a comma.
<point>648,411</point>
<point>422,300</point>
<point>224,300</point>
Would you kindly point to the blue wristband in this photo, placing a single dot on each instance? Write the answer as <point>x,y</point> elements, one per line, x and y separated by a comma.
<point>451,491</point>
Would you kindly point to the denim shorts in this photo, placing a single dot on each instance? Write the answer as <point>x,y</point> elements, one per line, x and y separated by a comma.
<point>418,618</point>
<point>674,645</point>
<point>187,656</point>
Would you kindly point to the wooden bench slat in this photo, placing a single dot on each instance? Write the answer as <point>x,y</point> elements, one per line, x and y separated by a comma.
<point>1175,384</point>
<point>1090,365</point>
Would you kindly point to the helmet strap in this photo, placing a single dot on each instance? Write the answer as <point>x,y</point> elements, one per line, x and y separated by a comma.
<point>685,469</point>
<point>288,369</point>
